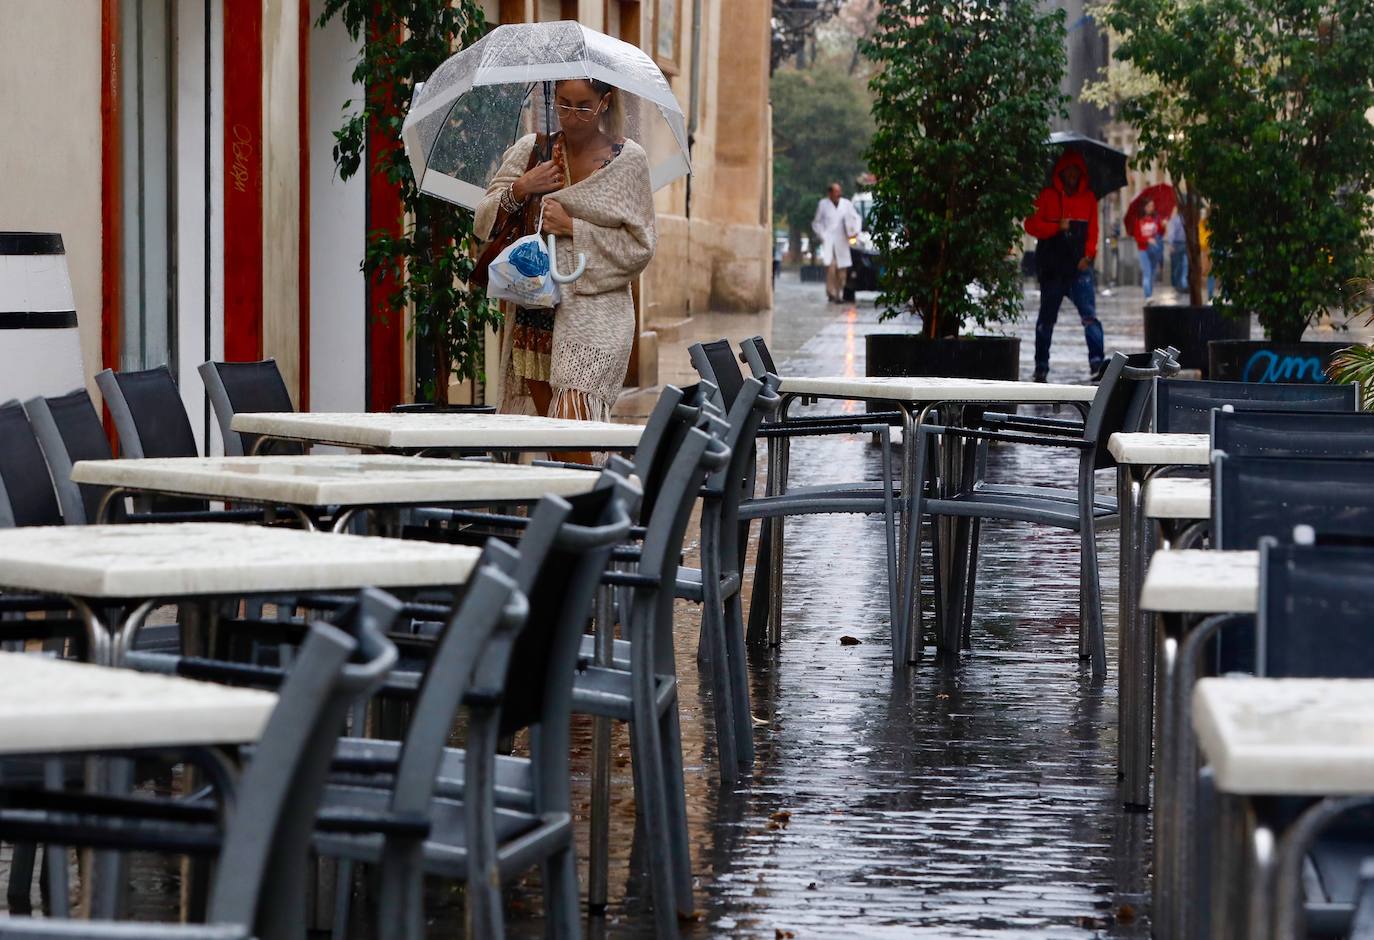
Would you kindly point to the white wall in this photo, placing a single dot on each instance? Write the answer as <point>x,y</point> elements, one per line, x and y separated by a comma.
<point>338,296</point>
<point>50,141</point>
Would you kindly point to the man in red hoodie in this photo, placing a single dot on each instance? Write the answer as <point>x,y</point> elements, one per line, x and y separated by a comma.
<point>1065,227</point>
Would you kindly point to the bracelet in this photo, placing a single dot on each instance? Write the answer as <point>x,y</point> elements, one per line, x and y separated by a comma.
<point>509,202</point>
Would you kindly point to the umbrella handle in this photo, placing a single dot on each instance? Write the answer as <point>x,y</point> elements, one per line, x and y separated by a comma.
<point>557,275</point>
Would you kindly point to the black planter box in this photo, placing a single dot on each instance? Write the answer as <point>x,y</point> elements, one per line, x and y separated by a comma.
<point>1189,330</point>
<point>967,357</point>
<point>1261,361</point>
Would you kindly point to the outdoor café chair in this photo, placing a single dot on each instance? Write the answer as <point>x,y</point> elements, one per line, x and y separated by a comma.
<point>261,834</point>
<point>1304,434</point>
<point>1313,620</point>
<point>1111,408</point>
<point>493,815</point>
<point>716,362</point>
<point>247,387</point>
<point>1184,406</point>
<point>151,421</point>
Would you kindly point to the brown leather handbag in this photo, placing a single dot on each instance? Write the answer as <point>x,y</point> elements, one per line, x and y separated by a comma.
<point>509,228</point>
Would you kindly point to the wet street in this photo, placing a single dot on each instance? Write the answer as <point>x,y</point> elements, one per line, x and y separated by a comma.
<point>956,800</point>
<point>952,800</point>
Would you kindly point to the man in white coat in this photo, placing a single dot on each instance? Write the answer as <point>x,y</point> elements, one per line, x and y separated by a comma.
<point>836,222</point>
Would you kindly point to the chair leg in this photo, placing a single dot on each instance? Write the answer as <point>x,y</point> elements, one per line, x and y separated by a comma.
<point>650,806</point>
<point>757,634</point>
<point>675,793</point>
<point>599,862</point>
<point>561,904</point>
<point>19,894</point>
<point>970,583</point>
<point>739,682</point>
<point>713,625</point>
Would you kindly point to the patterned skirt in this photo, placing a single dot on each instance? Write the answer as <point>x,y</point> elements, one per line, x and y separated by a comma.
<point>532,344</point>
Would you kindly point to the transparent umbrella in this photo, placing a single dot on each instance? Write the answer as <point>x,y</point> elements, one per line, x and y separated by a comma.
<point>486,97</point>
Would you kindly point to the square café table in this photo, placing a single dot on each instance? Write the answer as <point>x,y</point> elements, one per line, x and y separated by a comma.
<point>418,433</point>
<point>1141,460</point>
<point>351,482</point>
<point>1277,738</point>
<point>916,397</point>
<point>138,566</point>
<point>104,710</point>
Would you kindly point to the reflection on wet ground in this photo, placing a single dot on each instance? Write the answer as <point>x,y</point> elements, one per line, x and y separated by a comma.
<point>952,800</point>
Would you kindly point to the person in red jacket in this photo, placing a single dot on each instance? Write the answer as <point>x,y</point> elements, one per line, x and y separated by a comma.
<point>1065,228</point>
<point>1148,232</point>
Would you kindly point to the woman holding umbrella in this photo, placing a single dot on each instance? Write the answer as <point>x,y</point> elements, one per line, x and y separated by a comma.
<point>570,362</point>
<point>1148,232</point>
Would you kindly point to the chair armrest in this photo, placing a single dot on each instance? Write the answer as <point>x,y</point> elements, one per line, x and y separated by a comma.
<point>996,419</point>
<point>208,515</point>
<point>365,822</point>
<point>1007,437</point>
<point>28,928</point>
<point>32,603</point>
<point>885,417</point>
<point>563,465</point>
<point>855,426</point>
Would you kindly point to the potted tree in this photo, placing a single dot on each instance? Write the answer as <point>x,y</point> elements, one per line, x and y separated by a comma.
<point>963,100</point>
<point>1276,95</point>
<point>1132,86</point>
<point>1356,363</point>
<point>428,262</point>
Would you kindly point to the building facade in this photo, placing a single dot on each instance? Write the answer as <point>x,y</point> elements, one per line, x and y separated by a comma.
<point>183,150</point>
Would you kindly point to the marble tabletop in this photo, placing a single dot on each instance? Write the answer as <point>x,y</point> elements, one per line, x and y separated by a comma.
<point>1287,736</point>
<point>336,480</point>
<point>932,389</point>
<point>1201,582</point>
<point>1178,498</point>
<point>103,708</point>
<point>197,559</point>
<point>1161,449</point>
<point>389,431</point>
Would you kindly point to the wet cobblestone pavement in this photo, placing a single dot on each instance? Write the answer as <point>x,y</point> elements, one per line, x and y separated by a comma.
<point>953,800</point>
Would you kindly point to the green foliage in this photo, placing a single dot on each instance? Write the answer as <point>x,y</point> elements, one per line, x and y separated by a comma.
<point>821,127</point>
<point>1272,96</point>
<point>1356,364</point>
<point>963,106</point>
<point>429,263</point>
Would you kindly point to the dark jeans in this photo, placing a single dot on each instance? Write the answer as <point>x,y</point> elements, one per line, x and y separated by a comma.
<point>1081,290</point>
<point>1178,268</point>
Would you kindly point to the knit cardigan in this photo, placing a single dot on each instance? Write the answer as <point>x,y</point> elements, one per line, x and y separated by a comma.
<point>613,226</point>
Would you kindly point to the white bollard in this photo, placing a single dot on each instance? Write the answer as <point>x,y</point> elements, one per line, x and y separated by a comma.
<point>40,347</point>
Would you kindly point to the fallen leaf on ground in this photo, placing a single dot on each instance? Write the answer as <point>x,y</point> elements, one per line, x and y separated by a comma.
<point>848,640</point>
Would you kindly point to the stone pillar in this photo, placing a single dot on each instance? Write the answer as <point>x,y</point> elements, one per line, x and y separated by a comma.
<point>281,154</point>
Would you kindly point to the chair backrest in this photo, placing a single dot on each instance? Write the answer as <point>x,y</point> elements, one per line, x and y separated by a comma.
<point>1117,391</point>
<point>1293,434</point>
<point>245,387</point>
<point>262,866</point>
<point>1255,497</point>
<point>757,401</point>
<point>148,413</point>
<point>715,362</point>
<point>564,551</point>
<point>470,662</point>
<point>1162,362</point>
<point>68,429</point>
<point>1184,406</point>
<point>678,411</point>
<point>1316,611</point>
<point>757,355</point>
<point>26,493</point>
<point>702,453</point>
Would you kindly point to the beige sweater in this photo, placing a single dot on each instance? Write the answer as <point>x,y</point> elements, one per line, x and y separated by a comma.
<point>613,225</point>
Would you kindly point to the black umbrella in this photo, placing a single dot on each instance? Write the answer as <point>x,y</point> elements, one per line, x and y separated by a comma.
<point>1106,165</point>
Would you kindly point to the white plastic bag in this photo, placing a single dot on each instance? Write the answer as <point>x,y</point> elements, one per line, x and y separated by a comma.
<point>520,274</point>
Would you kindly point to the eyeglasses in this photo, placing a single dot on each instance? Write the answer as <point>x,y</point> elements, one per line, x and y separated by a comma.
<point>581,114</point>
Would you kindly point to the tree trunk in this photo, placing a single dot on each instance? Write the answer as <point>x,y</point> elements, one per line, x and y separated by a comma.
<point>1191,207</point>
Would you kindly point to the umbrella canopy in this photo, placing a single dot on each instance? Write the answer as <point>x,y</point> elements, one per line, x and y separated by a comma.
<point>1164,199</point>
<point>1106,165</point>
<point>480,101</point>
